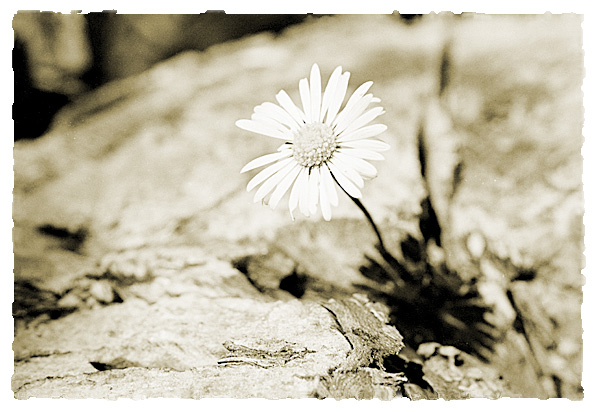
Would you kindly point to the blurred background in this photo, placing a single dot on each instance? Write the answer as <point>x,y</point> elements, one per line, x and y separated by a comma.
<point>57,56</point>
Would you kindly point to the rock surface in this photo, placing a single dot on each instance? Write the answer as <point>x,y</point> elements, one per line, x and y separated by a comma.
<point>196,330</point>
<point>143,269</point>
<point>512,132</point>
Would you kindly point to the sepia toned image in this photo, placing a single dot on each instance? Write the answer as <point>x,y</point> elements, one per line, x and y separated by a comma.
<point>343,206</point>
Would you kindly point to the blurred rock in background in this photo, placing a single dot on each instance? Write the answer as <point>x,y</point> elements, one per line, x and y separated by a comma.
<point>51,53</point>
<point>59,56</point>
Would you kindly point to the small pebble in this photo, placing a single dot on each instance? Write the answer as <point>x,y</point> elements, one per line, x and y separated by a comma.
<point>474,373</point>
<point>70,300</point>
<point>448,351</point>
<point>476,245</point>
<point>428,349</point>
<point>102,291</point>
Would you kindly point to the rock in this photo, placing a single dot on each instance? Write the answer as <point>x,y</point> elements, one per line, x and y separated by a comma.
<point>159,194</point>
<point>508,123</point>
<point>215,342</point>
<point>371,341</point>
<point>214,337</point>
<point>456,375</point>
<point>70,300</point>
<point>102,292</point>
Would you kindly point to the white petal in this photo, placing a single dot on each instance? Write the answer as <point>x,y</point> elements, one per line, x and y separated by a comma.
<point>362,104</point>
<point>313,189</point>
<point>362,153</point>
<point>269,121</point>
<point>284,186</point>
<point>266,173</point>
<point>364,119</point>
<point>344,182</point>
<point>336,100</point>
<point>304,196</point>
<point>285,146</point>
<point>277,113</point>
<point>362,133</point>
<point>301,180</point>
<point>260,128</point>
<point>273,181</point>
<point>290,107</point>
<point>369,144</point>
<point>349,171</point>
<point>264,160</point>
<point>329,92</point>
<point>348,115</point>
<point>361,166</point>
<point>358,94</point>
<point>305,95</point>
<point>315,93</point>
<point>328,182</point>
<point>325,205</point>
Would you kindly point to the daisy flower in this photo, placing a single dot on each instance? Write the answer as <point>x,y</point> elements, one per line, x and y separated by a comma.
<point>323,145</point>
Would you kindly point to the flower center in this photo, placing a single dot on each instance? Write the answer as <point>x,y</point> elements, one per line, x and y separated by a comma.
<point>313,144</point>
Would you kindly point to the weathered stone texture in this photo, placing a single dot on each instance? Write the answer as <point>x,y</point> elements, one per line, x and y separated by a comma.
<point>513,105</point>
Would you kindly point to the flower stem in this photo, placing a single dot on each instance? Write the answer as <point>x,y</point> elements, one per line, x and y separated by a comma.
<point>370,220</point>
<point>361,207</point>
